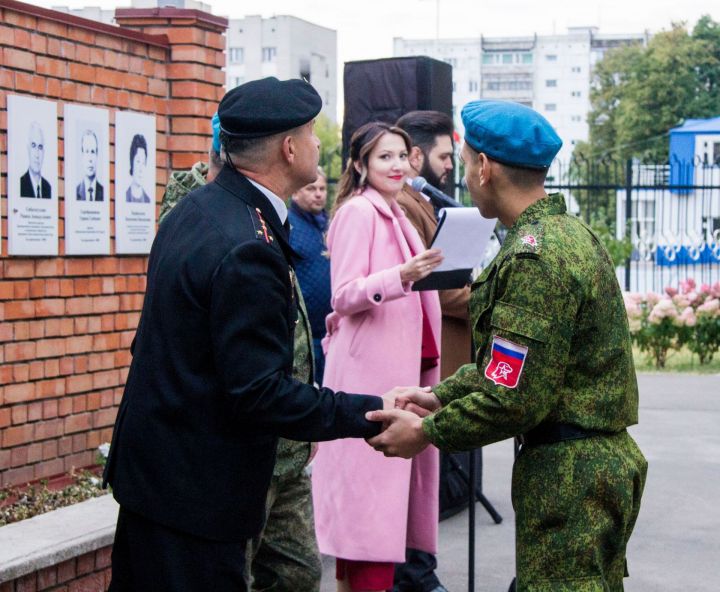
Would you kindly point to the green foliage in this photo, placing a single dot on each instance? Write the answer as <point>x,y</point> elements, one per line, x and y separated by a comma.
<point>657,339</point>
<point>640,93</point>
<point>619,250</point>
<point>38,499</point>
<point>704,338</point>
<point>330,146</point>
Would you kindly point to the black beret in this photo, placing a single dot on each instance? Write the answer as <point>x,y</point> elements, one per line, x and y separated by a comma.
<point>269,106</point>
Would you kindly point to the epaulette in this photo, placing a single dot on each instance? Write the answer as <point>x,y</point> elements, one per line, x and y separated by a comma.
<point>262,230</point>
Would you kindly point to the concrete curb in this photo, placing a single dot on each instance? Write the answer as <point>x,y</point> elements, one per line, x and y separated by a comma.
<point>49,539</point>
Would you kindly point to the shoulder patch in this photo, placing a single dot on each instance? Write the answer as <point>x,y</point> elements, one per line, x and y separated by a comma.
<point>506,362</point>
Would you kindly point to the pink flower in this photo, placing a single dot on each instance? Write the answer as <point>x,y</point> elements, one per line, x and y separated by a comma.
<point>653,298</point>
<point>705,289</point>
<point>710,308</point>
<point>687,317</point>
<point>670,291</point>
<point>681,300</point>
<point>664,309</point>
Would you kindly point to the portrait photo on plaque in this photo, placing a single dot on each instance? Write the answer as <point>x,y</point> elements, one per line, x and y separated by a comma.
<point>87,181</point>
<point>32,176</point>
<point>134,182</point>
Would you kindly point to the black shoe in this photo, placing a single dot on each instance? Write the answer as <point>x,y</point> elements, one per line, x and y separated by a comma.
<point>439,588</point>
<point>513,585</point>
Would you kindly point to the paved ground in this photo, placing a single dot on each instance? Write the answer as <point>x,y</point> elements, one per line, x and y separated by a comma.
<point>676,545</point>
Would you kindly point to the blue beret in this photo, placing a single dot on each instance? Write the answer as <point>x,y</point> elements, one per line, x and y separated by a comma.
<point>269,106</point>
<point>216,133</point>
<point>510,133</point>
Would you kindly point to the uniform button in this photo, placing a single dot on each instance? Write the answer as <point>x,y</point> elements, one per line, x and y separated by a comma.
<point>377,298</point>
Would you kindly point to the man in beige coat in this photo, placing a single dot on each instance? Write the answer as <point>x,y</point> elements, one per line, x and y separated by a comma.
<point>431,133</point>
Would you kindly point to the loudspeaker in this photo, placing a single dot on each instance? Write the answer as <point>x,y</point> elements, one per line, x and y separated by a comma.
<point>383,90</point>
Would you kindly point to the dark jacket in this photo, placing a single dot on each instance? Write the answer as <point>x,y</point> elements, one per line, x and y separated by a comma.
<point>27,189</point>
<point>80,191</point>
<point>307,237</point>
<point>210,389</point>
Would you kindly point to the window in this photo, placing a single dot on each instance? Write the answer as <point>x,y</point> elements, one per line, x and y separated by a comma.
<point>527,58</point>
<point>237,55</point>
<point>550,107</point>
<point>236,81</point>
<point>269,54</point>
<point>454,86</point>
<point>576,93</point>
<point>488,58</point>
<point>551,57</point>
<point>576,69</point>
<point>716,152</point>
<point>576,118</point>
<point>451,61</point>
<point>473,86</point>
<point>551,83</point>
<point>507,58</point>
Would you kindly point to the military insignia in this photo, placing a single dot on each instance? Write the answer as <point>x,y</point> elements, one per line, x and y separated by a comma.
<point>262,232</point>
<point>506,362</point>
<point>529,240</point>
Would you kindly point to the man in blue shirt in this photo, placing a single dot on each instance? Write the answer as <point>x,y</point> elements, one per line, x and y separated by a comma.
<point>308,224</point>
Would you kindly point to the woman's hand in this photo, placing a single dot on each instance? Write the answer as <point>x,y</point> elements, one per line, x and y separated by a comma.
<point>421,265</point>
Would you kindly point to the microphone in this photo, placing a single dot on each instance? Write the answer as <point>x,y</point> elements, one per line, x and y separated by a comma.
<point>437,197</point>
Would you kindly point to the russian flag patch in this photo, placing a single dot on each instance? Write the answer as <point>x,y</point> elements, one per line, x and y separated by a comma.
<point>506,362</point>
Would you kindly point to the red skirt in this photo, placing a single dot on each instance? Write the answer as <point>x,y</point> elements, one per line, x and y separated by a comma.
<point>365,575</point>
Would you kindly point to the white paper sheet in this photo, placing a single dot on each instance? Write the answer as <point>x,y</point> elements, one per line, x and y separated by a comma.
<point>462,236</point>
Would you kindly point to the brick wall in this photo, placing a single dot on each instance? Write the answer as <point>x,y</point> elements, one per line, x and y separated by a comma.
<point>66,323</point>
<point>87,573</point>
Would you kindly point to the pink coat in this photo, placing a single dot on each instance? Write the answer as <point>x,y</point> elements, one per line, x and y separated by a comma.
<point>368,507</point>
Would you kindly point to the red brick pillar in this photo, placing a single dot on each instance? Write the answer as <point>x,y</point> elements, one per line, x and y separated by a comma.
<point>194,73</point>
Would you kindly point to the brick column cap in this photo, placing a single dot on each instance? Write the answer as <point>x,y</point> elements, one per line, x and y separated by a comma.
<point>88,24</point>
<point>146,16</point>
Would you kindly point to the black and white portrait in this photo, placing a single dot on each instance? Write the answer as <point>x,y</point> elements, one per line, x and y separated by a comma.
<point>136,193</point>
<point>89,189</point>
<point>87,174</point>
<point>32,183</point>
<point>32,176</point>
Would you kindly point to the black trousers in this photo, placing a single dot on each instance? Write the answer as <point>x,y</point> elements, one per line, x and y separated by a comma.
<point>417,574</point>
<point>148,556</point>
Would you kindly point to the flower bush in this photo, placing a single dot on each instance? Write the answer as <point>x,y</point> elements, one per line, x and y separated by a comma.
<point>685,316</point>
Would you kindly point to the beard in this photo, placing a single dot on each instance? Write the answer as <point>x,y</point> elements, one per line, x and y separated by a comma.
<point>432,178</point>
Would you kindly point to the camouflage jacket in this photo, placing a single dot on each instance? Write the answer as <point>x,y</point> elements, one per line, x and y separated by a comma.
<point>291,456</point>
<point>180,184</point>
<point>552,337</point>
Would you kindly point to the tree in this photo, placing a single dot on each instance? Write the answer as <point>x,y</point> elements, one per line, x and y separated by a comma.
<point>330,146</point>
<point>640,93</point>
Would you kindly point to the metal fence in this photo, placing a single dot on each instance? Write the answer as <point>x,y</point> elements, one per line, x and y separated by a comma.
<point>660,222</point>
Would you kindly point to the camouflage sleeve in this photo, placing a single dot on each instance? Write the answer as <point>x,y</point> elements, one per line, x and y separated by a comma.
<point>532,318</point>
<point>465,380</point>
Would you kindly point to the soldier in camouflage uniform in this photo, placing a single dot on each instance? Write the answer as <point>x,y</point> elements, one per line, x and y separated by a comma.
<point>554,366</point>
<point>284,557</point>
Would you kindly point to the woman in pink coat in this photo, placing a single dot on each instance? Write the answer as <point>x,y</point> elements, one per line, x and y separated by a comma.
<point>368,508</point>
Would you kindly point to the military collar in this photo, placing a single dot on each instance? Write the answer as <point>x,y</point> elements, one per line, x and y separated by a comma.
<point>275,201</point>
<point>241,187</point>
<point>551,205</point>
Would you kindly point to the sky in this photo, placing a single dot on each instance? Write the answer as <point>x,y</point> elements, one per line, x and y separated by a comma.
<point>366,28</point>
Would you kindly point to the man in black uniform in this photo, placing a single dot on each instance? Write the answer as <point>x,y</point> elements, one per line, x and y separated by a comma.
<point>210,389</point>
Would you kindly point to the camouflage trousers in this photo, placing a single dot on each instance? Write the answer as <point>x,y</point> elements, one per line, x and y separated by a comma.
<point>284,557</point>
<point>576,503</point>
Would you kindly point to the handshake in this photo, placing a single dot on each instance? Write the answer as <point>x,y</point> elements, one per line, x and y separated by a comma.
<point>402,432</point>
